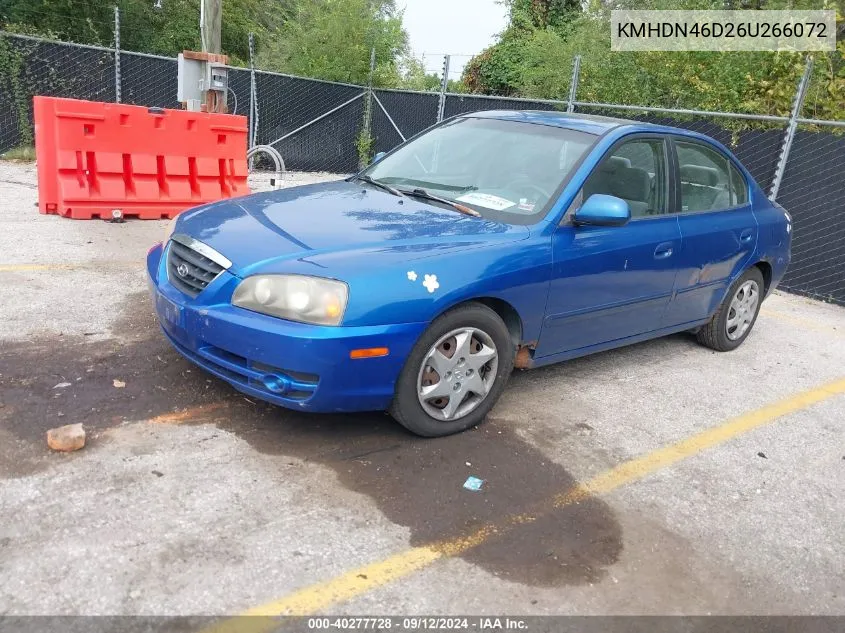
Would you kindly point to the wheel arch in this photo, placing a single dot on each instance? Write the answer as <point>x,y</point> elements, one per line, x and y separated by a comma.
<point>766,270</point>
<point>509,315</point>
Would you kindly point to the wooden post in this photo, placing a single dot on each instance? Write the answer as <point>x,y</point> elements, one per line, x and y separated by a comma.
<point>211,24</point>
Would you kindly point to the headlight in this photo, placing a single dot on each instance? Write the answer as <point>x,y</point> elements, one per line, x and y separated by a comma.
<point>294,297</point>
<point>168,231</point>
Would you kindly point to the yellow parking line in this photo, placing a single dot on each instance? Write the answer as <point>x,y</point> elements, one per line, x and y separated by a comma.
<point>93,265</point>
<point>18,268</point>
<point>805,323</point>
<point>358,581</point>
<point>189,414</point>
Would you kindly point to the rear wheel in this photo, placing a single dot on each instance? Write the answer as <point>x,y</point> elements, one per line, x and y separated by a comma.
<point>455,373</point>
<point>735,318</point>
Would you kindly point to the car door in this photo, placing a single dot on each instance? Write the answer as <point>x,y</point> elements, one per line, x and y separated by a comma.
<point>718,229</point>
<point>611,283</point>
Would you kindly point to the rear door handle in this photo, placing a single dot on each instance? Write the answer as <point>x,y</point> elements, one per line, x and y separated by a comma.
<point>664,250</point>
<point>746,236</point>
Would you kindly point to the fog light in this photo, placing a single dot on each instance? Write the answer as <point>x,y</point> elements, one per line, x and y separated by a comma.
<point>274,383</point>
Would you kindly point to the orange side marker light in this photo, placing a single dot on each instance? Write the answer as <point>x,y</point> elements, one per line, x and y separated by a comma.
<point>371,352</point>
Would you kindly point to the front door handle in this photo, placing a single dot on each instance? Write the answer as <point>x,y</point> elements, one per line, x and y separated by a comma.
<point>746,236</point>
<point>664,250</point>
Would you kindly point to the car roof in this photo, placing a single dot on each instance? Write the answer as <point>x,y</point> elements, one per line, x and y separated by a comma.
<point>598,125</point>
<point>590,123</point>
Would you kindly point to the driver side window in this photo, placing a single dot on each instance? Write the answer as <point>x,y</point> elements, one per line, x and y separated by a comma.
<point>635,172</point>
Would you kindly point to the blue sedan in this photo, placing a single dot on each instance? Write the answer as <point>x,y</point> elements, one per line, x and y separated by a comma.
<point>494,240</point>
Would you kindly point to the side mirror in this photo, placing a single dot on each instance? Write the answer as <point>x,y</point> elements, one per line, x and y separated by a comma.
<point>603,210</point>
<point>378,157</point>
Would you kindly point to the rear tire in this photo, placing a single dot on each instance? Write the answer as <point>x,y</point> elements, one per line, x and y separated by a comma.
<point>735,318</point>
<point>473,351</point>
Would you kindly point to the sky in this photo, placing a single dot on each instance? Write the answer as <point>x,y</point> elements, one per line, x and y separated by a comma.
<point>461,28</point>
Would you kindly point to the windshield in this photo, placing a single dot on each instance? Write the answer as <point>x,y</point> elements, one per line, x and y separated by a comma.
<point>505,170</point>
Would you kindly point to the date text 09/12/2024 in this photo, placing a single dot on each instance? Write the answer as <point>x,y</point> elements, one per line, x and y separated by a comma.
<point>417,623</point>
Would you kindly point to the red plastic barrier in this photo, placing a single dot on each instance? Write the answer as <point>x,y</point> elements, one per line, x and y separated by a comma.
<point>95,157</point>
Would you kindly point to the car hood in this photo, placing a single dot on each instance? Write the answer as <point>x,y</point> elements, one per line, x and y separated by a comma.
<point>334,225</point>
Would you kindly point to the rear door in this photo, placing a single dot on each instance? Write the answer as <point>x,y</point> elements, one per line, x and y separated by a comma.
<point>718,229</point>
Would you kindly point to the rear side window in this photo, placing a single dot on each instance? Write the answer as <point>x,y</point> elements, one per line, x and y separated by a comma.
<point>739,187</point>
<point>705,179</point>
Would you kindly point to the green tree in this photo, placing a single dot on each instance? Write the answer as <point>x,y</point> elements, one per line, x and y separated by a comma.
<point>165,27</point>
<point>332,39</point>
<point>170,26</point>
<point>498,69</point>
<point>534,56</point>
<point>415,77</point>
<point>72,20</point>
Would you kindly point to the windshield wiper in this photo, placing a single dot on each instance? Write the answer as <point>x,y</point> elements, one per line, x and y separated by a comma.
<point>381,185</point>
<point>433,185</point>
<point>422,193</point>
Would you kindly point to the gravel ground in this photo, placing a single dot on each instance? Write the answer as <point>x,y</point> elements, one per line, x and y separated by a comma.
<point>191,499</point>
<point>88,297</point>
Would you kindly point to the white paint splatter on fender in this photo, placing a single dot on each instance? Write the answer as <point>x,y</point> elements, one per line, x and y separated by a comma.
<point>431,283</point>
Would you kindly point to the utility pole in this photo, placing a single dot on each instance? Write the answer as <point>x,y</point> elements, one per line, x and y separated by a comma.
<point>211,24</point>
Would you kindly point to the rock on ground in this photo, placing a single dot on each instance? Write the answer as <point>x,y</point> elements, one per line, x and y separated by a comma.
<point>66,438</point>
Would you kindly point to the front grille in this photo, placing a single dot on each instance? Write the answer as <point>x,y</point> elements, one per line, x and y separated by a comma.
<point>189,271</point>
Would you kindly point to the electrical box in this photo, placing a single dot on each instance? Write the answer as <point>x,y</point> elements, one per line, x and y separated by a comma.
<point>217,77</point>
<point>190,75</point>
<point>202,81</point>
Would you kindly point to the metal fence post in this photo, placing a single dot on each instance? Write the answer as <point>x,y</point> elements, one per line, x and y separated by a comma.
<point>797,105</point>
<point>363,156</point>
<point>253,105</point>
<point>444,86</point>
<point>117,91</point>
<point>573,84</point>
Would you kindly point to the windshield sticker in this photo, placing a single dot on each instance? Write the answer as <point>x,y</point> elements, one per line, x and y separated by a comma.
<point>486,200</point>
<point>524,205</point>
<point>412,276</point>
<point>431,283</point>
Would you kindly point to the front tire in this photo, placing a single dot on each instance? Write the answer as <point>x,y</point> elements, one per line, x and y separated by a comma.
<point>735,318</point>
<point>455,373</point>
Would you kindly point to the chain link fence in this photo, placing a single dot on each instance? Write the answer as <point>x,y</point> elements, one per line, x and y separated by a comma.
<point>813,191</point>
<point>148,80</point>
<point>313,124</point>
<point>399,115</point>
<point>30,66</point>
<point>464,104</point>
<point>320,126</point>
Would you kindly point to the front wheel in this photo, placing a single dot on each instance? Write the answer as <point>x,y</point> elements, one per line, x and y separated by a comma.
<point>733,321</point>
<point>455,373</point>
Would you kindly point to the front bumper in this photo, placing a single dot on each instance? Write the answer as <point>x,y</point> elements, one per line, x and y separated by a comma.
<point>295,365</point>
